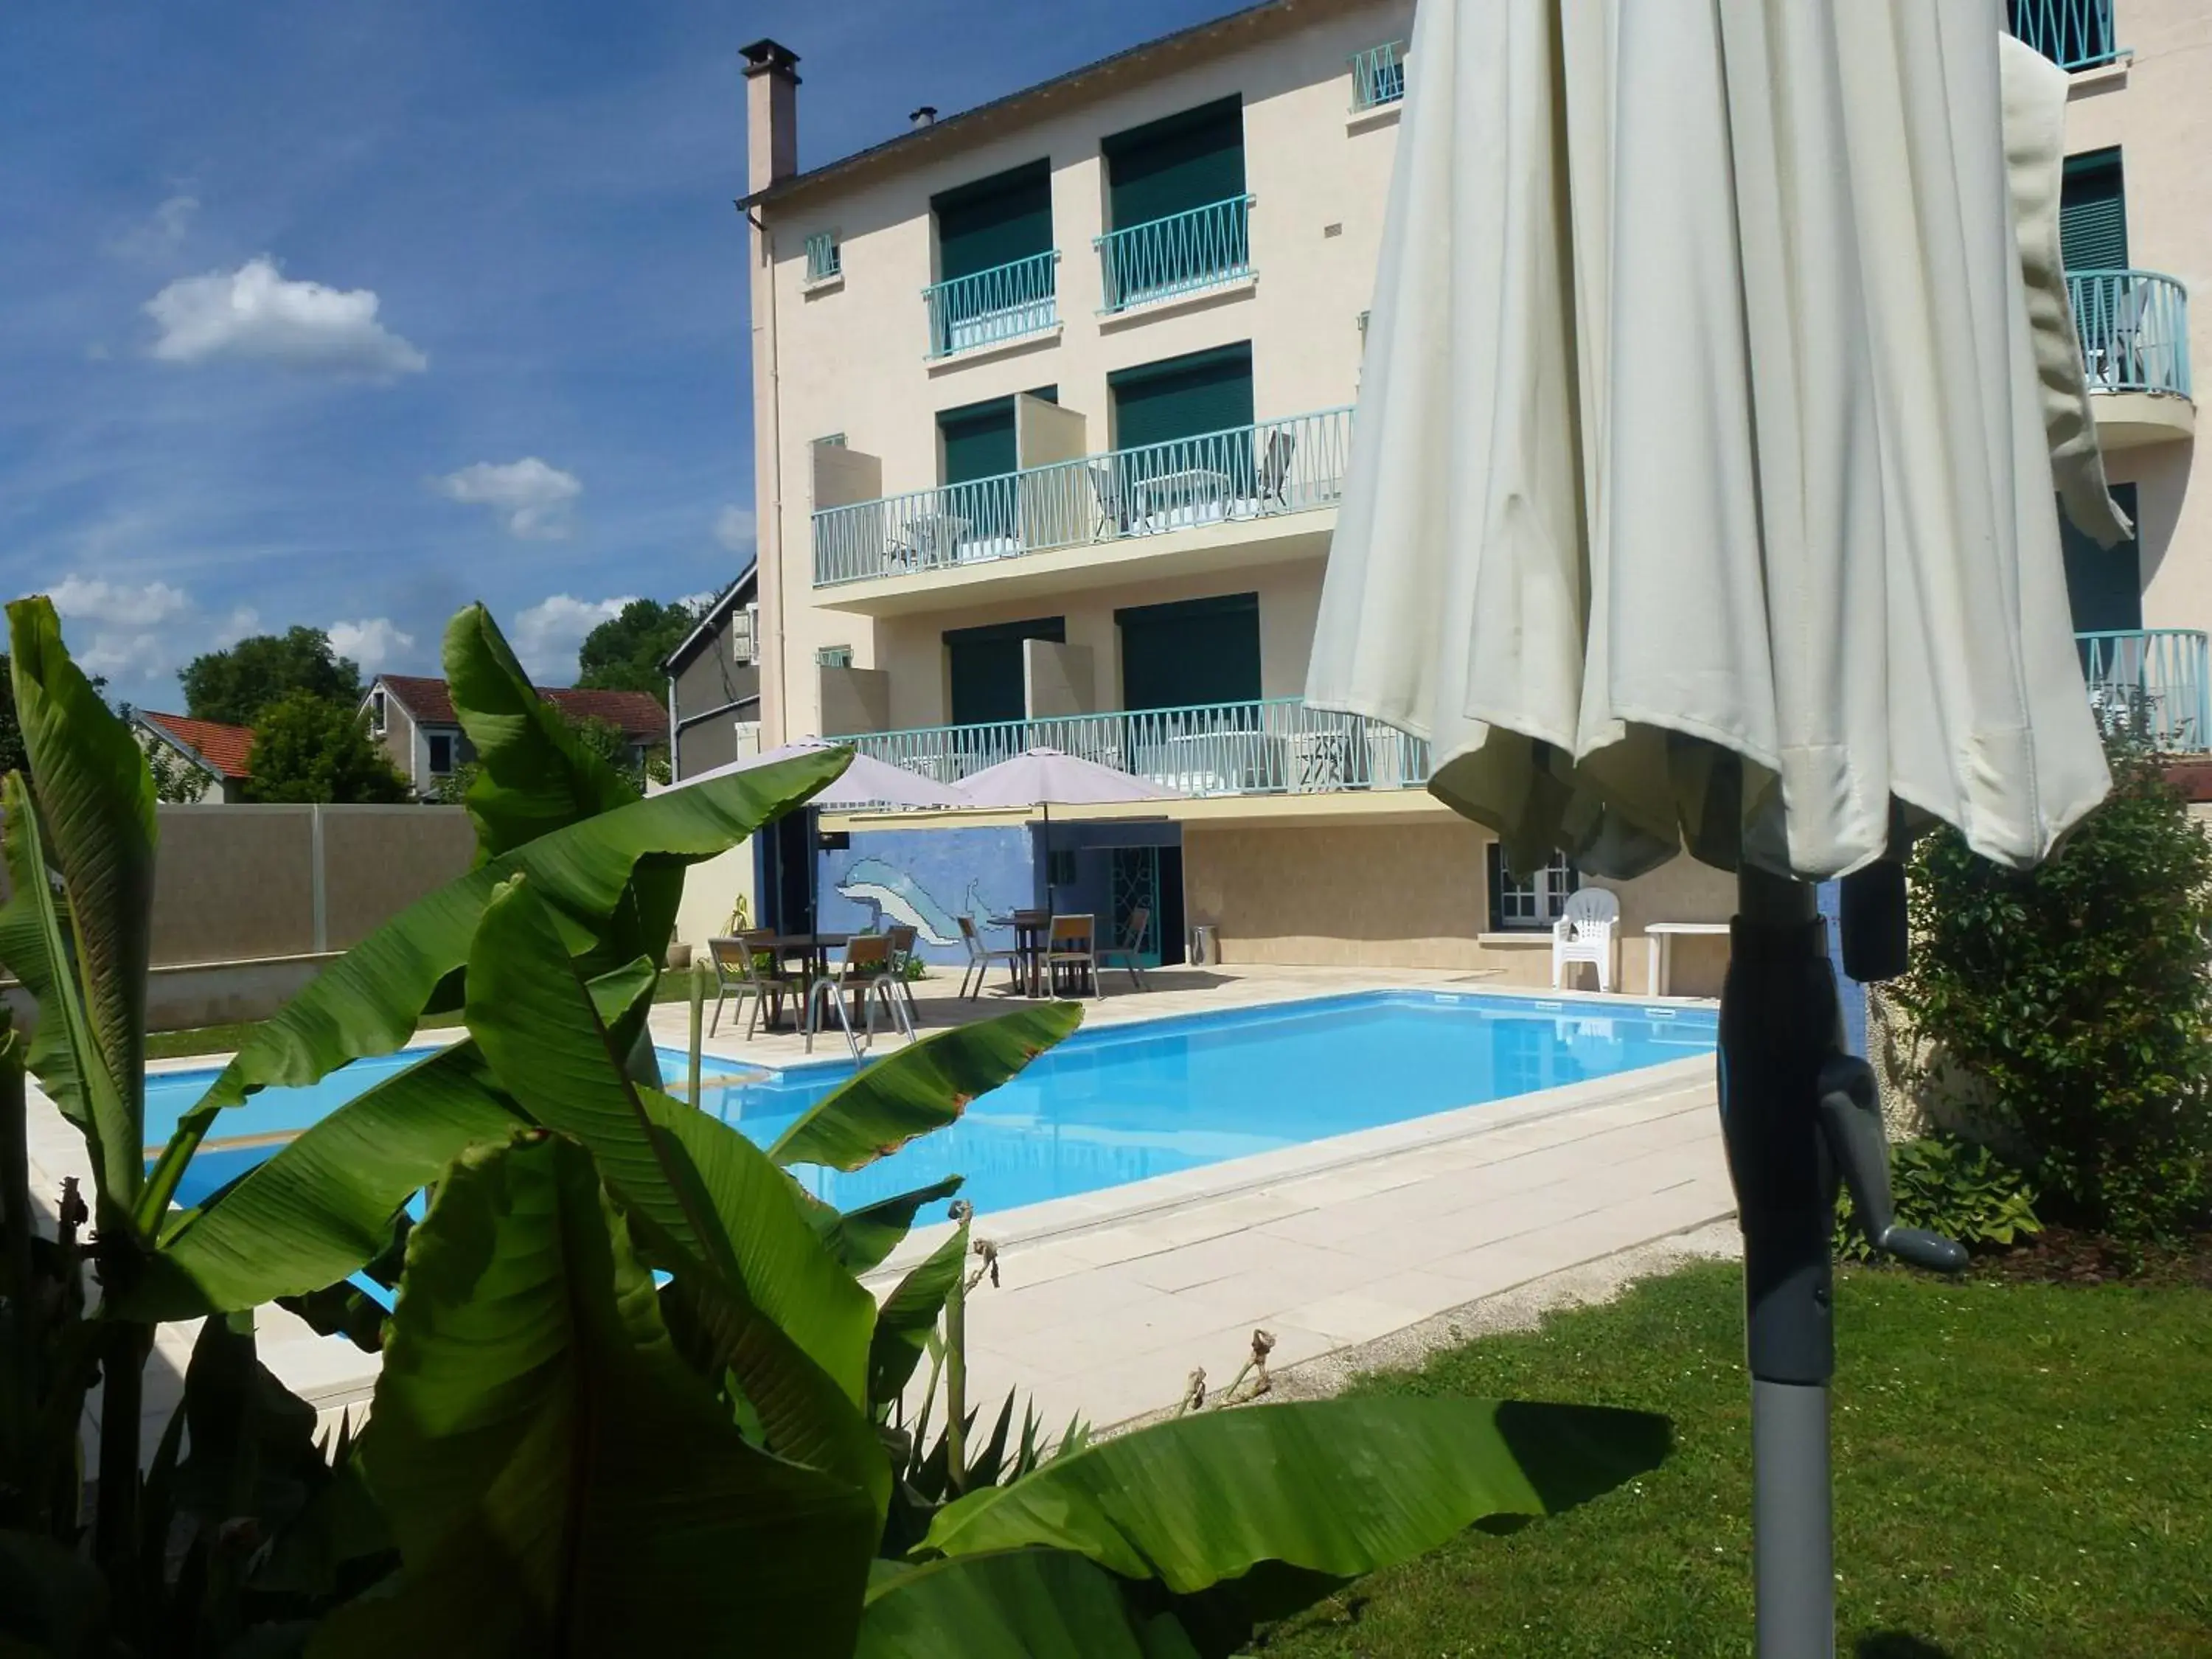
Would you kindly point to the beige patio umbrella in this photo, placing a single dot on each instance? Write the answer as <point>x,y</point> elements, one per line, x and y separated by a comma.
<point>1719,380</point>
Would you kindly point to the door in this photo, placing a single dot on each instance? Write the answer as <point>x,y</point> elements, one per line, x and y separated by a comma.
<point>984,668</point>
<point>1191,658</point>
<point>1182,437</point>
<point>1136,886</point>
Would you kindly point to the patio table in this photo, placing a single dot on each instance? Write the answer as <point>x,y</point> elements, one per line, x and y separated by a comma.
<point>1029,928</point>
<point>1181,497</point>
<point>1659,944</point>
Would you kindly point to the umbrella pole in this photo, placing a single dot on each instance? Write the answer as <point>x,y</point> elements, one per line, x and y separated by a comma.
<point>1781,1022</point>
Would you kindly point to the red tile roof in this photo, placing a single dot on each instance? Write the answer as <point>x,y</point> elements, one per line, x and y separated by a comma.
<point>223,747</point>
<point>640,718</point>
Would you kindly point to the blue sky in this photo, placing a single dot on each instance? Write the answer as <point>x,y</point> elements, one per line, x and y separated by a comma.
<point>350,315</point>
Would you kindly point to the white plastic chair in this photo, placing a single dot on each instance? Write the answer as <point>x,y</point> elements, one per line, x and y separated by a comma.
<point>1584,932</point>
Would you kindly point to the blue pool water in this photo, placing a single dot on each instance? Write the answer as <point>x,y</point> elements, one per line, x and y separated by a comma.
<point>1120,1104</point>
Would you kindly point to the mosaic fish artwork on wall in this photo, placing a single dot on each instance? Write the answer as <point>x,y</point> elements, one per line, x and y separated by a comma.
<point>897,898</point>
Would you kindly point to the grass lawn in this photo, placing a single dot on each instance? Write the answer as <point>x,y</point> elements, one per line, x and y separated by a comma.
<point>675,987</point>
<point>2020,1469</point>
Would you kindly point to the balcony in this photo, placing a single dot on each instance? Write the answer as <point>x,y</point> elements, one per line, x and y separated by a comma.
<point>2075,34</point>
<point>1234,483</point>
<point>1184,253</point>
<point>1276,746</point>
<point>2134,326</point>
<point>990,307</point>
<point>2150,684</point>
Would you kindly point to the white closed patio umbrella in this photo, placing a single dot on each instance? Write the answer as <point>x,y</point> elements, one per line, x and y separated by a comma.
<point>1047,778</point>
<point>1701,498</point>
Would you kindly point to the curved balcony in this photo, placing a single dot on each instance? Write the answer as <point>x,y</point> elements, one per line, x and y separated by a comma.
<point>2151,683</point>
<point>2134,326</point>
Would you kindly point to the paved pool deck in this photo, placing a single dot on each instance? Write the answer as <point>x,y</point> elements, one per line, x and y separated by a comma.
<point>1108,1301</point>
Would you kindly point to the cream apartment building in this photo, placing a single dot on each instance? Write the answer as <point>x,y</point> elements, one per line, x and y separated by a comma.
<point>1052,403</point>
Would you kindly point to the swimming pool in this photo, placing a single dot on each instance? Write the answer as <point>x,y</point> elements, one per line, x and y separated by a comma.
<point>1115,1104</point>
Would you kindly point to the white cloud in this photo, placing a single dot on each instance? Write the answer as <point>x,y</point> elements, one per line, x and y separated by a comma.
<point>104,604</point>
<point>735,528</point>
<point>546,635</point>
<point>373,641</point>
<point>533,498</point>
<point>128,632</point>
<point>162,232</point>
<point>258,314</point>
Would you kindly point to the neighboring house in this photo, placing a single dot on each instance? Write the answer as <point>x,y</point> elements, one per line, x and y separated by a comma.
<point>216,752</point>
<point>713,684</point>
<point>412,716</point>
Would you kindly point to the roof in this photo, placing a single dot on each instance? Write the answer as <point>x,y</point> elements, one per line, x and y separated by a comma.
<point>711,618</point>
<point>951,130</point>
<point>221,749</point>
<point>639,717</point>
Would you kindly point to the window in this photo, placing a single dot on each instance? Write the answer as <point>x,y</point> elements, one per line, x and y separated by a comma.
<point>744,634</point>
<point>1378,76</point>
<point>825,256</point>
<point>1059,869</point>
<point>2075,34</point>
<point>442,754</point>
<point>984,668</point>
<point>376,712</point>
<point>1529,905</point>
<point>834,656</point>
<point>834,441</point>
<point>1191,653</point>
<point>2093,213</point>
<point>996,276</point>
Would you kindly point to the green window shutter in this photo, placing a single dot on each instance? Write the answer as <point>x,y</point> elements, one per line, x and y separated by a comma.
<point>1198,651</point>
<point>984,665</point>
<point>1183,396</point>
<point>978,441</point>
<point>2104,585</point>
<point>993,221</point>
<point>2093,213</point>
<point>1173,166</point>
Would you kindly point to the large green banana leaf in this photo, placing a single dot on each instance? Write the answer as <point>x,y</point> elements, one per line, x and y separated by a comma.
<point>923,1087</point>
<point>787,1321</point>
<point>95,799</point>
<point>321,1205</point>
<point>861,1238</point>
<point>1335,1487</point>
<point>1013,1604</point>
<point>909,1315</point>
<point>368,1001</point>
<point>63,1053</point>
<point>532,776</point>
<point>557,1480</point>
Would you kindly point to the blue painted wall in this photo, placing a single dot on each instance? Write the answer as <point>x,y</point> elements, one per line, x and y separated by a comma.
<point>926,879</point>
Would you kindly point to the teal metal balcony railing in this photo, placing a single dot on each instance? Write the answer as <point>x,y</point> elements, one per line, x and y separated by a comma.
<point>2152,684</point>
<point>1275,746</point>
<point>2075,34</point>
<point>2134,330</point>
<point>1003,303</point>
<point>1378,76</point>
<point>824,256</point>
<point>1183,253</point>
<point>1288,466</point>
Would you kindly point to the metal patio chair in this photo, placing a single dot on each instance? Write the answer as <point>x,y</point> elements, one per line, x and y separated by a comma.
<point>737,973</point>
<point>904,940</point>
<point>863,976</point>
<point>1128,953</point>
<point>980,958</point>
<point>1071,945</point>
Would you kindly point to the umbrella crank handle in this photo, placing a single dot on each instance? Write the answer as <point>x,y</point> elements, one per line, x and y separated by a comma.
<point>1851,1123</point>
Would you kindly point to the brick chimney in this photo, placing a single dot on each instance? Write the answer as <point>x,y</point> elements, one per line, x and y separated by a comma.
<point>771,114</point>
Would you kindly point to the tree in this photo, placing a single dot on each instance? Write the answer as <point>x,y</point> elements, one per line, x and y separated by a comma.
<point>612,744</point>
<point>625,651</point>
<point>12,757</point>
<point>307,747</point>
<point>235,685</point>
<point>2077,993</point>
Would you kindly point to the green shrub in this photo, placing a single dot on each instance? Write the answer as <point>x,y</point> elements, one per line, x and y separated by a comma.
<point>1953,1188</point>
<point>2079,994</point>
